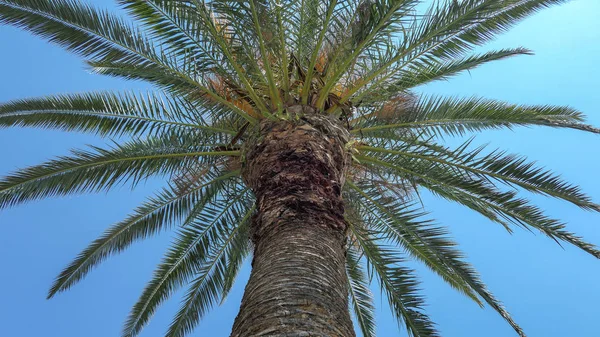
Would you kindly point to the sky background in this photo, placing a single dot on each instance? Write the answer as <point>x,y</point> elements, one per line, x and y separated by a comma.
<point>550,291</point>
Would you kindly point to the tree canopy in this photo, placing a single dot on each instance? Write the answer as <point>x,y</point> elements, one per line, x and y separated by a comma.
<point>219,67</point>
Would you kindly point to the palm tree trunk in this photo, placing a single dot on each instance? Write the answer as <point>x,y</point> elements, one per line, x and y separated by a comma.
<point>298,283</point>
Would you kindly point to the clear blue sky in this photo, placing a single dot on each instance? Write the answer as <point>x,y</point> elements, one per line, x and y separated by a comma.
<point>549,291</point>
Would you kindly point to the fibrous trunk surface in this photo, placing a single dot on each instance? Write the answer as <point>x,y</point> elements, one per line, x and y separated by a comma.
<point>298,283</point>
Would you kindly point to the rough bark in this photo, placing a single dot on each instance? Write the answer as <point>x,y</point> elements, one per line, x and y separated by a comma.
<point>298,282</point>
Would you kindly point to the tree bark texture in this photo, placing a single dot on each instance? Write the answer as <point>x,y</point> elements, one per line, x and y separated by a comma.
<point>298,282</point>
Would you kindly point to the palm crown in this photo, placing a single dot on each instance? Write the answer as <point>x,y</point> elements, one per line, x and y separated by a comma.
<point>220,67</point>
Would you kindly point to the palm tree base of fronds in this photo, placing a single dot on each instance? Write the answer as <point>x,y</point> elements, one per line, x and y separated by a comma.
<point>297,166</point>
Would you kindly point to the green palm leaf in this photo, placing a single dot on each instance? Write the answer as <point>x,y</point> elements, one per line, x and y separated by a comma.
<point>457,116</point>
<point>79,28</point>
<point>477,194</point>
<point>106,114</point>
<point>396,220</point>
<point>360,295</point>
<point>509,169</point>
<point>186,255</point>
<point>101,169</point>
<point>182,32</point>
<point>375,24</point>
<point>413,235</point>
<point>190,87</point>
<point>114,47</point>
<point>419,75</point>
<point>212,276</point>
<point>242,248</point>
<point>475,22</point>
<point>158,213</point>
<point>306,24</point>
<point>448,30</point>
<point>398,283</point>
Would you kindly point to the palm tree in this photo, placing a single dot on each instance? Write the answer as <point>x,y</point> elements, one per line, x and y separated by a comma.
<point>289,130</point>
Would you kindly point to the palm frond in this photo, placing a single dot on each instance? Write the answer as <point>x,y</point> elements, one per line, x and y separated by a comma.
<point>237,255</point>
<point>184,34</point>
<point>397,221</point>
<point>481,196</point>
<point>373,26</point>
<point>80,28</point>
<point>414,235</point>
<point>448,30</point>
<point>512,170</point>
<point>416,75</point>
<point>306,24</point>
<point>157,214</point>
<point>106,114</point>
<point>317,49</point>
<point>258,21</point>
<point>360,295</point>
<point>187,254</point>
<point>213,276</point>
<point>457,116</point>
<point>398,283</point>
<point>216,24</point>
<point>209,101</point>
<point>176,25</point>
<point>461,26</point>
<point>100,169</point>
<point>112,46</point>
<point>251,32</point>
